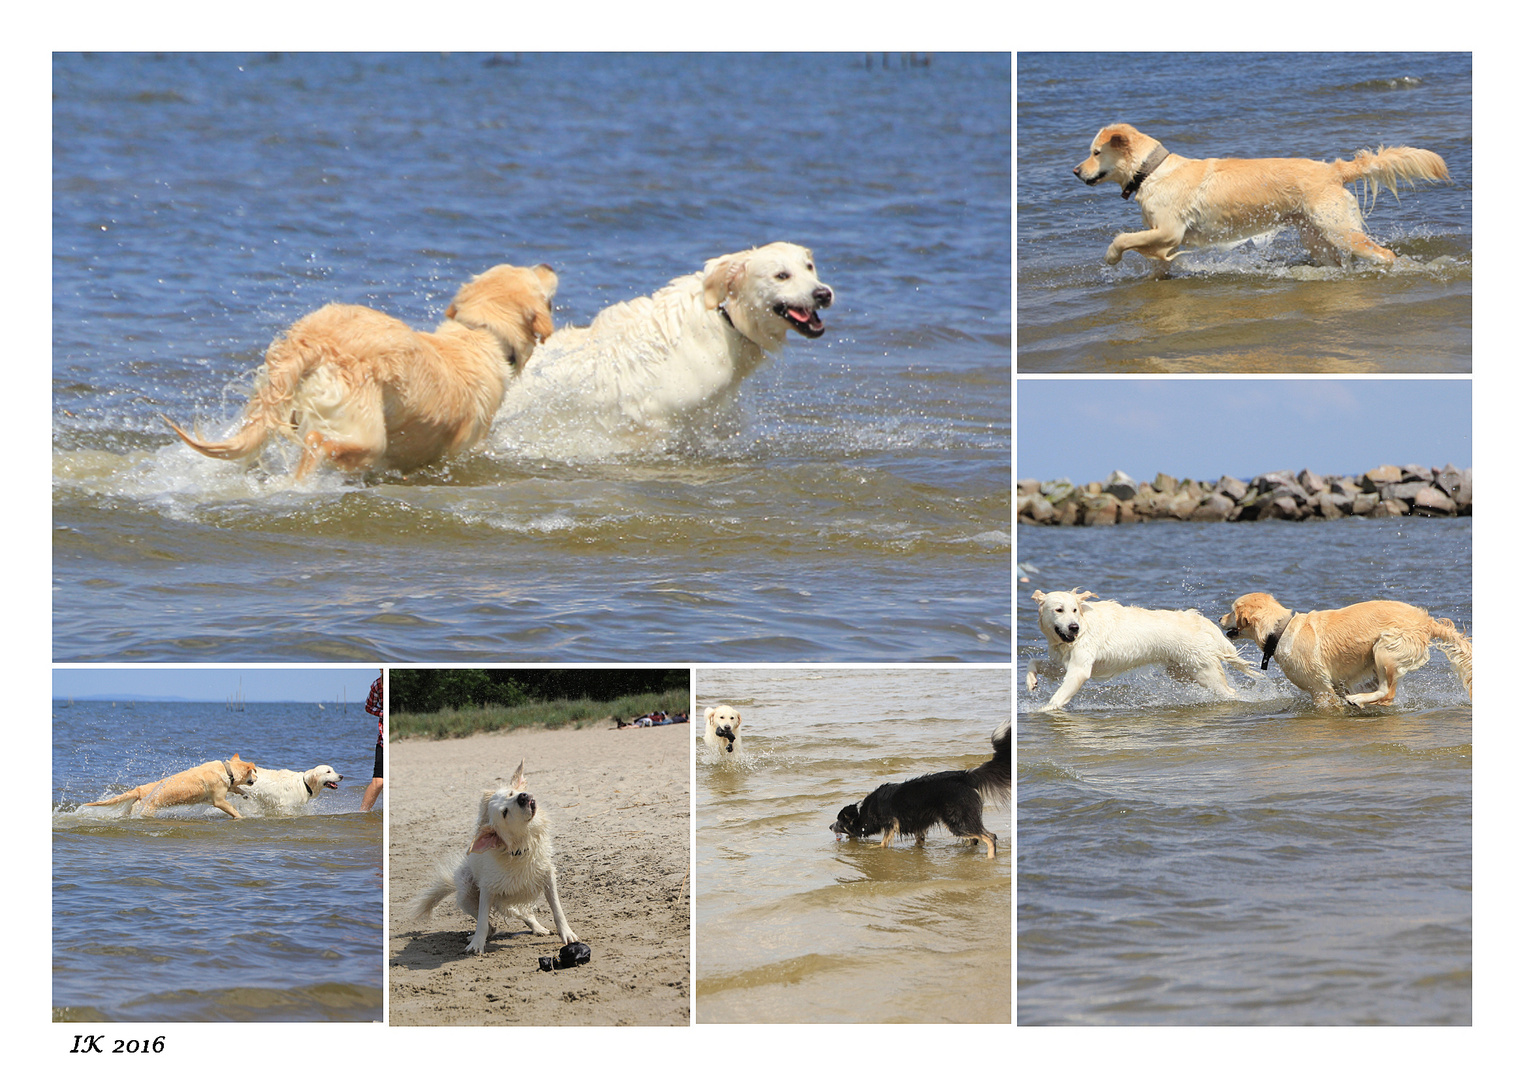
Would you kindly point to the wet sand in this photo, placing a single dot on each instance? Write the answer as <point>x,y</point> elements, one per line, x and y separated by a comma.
<point>618,805</point>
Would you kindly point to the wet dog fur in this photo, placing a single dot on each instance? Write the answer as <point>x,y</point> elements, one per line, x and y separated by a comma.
<point>506,867</point>
<point>1328,654</point>
<point>1202,202</point>
<point>360,390</point>
<point>723,727</point>
<point>209,782</point>
<point>951,799</point>
<point>1104,638</point>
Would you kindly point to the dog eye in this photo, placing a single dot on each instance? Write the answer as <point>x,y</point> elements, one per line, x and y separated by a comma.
<point>783,275</point>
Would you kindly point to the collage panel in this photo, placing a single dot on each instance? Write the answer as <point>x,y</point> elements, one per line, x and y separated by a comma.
<point>853,845</point>
<point>216,845</point>
<point>1281,213</point>
<point>531,357</point>
<point>539,863</point>
<point>1245,715</point>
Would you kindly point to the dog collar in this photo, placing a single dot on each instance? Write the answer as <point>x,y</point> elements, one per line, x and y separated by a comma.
<point>511,356</point>
<point>227,768</point>
<point>305,784</point>
<point>1153,159</point>
<point>721,307</point>
<point>1270,646</point>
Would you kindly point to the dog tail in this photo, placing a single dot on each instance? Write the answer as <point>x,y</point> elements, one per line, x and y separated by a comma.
<point>425,901</point>
<point>995,778</point>
<point>288,361</point>
<point>1389,166</point>
<point>126,796</point>
<point>1458,649</point>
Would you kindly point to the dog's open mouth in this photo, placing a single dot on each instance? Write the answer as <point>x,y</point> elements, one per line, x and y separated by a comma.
<point>331,785</point>
<point>803,320</point>
<point>726,733</point>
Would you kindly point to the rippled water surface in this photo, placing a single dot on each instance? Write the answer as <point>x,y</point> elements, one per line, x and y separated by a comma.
<point>860,512</point>
<point>796,926</point>
<point>191,915</point>
<point>1183,861</point>
<point>1260,307</point>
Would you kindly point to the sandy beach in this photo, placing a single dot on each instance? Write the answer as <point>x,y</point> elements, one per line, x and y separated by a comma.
<point>618,805</point>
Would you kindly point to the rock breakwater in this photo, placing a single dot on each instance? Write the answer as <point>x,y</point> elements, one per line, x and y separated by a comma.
<point>1387,491</point>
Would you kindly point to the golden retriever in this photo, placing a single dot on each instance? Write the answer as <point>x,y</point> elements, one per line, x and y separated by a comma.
<point>1201,202</point>
<point>667,362</point>
<point>506,866</point>
<point>363,391</point>
<point>209,782</point>
<point>1104,638</point>
<point>723,727</point>
<point>1327,654</point>
<point>287,790</point>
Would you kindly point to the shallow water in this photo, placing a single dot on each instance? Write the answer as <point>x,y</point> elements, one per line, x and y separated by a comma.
<point>1259,307</point>
<point>861,510</point>
<point>1184,861</point>
<point>193,916</point>
<point>795,926</point>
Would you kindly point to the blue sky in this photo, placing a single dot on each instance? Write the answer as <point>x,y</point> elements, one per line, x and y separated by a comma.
<point>217,684</point>
<point>1083,429</point>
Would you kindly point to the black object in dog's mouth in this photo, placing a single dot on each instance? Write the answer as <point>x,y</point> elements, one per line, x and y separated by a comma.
<point>803,320</point>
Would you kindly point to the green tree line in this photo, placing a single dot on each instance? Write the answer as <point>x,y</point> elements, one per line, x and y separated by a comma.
<point>429,690</point>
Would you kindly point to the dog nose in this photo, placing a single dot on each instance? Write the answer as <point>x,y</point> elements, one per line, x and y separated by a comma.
<point>1076,171</point>
<point>822,295</point>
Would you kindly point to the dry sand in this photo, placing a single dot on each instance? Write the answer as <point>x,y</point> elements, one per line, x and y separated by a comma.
<point>618,805</point>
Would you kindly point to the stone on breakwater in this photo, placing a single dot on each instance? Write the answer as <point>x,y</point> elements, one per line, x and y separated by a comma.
<point>1283,495</point>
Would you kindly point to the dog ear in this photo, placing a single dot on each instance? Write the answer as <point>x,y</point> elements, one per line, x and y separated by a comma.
<point>540,322</point>
<point>721,278</point>
<point>450,312</point>
<point>710,712</point>
<point>1038,596</point>
<point>1085,595</point>
<point>517,781</point>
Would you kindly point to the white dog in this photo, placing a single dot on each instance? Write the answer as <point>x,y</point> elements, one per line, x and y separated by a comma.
<point>1104,639</point>
<point>506,866</point>
<point>288,789</point>
<point>667,362</point>
<point>723,726</point>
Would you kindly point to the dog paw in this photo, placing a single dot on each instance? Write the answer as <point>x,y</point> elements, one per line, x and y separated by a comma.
<point>1113,257</point>
<point>569,937</point>
<point>476,945</point>
<point>1031,681</point>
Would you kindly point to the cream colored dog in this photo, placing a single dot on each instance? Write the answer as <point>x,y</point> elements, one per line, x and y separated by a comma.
<point>209,782</point>
<point>506,866</point>
<point>361,390</point>
<point>289,790</point>
<point>723,727</point>
<point>1327,654</point>
<point>1103,639</point>
<point>668,361</point>
<point>1201,202</point>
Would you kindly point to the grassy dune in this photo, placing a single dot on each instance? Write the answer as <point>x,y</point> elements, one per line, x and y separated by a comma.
<point>455,723</point>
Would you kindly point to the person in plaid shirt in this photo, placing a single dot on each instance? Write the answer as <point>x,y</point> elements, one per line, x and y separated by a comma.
<point>374,705</point>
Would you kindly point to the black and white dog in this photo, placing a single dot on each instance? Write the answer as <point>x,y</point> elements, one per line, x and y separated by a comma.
<point>951,799</point>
